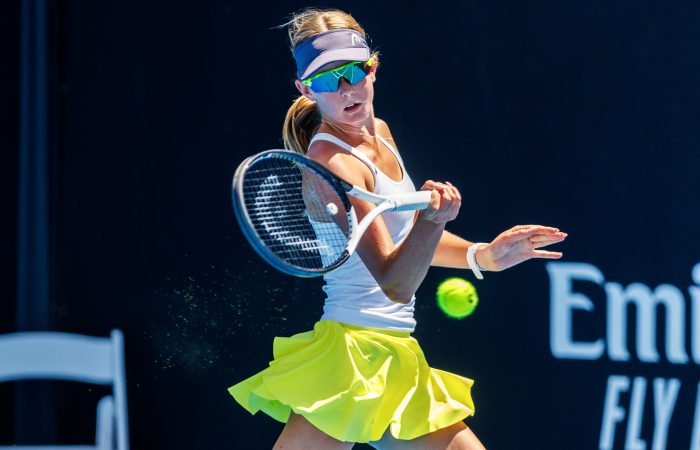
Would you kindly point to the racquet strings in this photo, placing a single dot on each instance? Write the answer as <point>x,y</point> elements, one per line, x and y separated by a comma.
<point>296,213</point>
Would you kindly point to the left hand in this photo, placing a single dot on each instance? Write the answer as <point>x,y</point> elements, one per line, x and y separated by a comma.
<point>519,244</point>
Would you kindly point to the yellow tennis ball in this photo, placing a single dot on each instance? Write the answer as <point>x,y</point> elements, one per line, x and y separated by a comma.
<point>457,297</point>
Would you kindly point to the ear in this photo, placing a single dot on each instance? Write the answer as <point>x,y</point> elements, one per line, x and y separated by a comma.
<point>373,68</point>
<point>304,90</point>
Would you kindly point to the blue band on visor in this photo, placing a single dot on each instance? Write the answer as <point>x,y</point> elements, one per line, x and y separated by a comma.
<point>338,45</point>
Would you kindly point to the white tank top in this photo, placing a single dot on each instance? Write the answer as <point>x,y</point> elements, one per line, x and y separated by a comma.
<point>353,296</point>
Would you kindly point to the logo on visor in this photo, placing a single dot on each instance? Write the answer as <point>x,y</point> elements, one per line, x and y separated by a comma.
<point>354,38</point>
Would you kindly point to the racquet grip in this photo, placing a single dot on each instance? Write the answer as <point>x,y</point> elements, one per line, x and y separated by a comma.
<point>411,201</point>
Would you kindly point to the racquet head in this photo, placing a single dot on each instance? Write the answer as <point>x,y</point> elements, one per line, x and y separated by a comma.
<point>293,211</point>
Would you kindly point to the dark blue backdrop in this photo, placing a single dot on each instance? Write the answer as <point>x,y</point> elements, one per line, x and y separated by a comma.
<point>580,115</point>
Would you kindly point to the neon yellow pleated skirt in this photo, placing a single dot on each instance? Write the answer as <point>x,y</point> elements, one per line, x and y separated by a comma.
<point>353,383</point>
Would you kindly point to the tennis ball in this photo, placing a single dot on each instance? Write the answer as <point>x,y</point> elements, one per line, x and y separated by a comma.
<point>457,297</point>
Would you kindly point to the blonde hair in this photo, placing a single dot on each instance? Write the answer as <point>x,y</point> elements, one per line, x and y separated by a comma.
<point>303,117</point>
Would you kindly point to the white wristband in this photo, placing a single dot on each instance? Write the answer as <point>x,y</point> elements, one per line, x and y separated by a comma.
<point>471,260</point>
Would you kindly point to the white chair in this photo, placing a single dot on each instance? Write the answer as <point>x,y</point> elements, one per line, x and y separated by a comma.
<point>64,356</point>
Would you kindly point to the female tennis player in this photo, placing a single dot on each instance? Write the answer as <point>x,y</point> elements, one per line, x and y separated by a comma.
<point>359,376</point>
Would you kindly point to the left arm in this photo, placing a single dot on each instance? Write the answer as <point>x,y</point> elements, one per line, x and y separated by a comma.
<point>511,247</point>
<point>452,252</point>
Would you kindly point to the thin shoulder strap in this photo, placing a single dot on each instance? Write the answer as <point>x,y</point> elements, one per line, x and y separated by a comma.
<point>330,138</point>
<point>393,150</point>
<point>345,146</point>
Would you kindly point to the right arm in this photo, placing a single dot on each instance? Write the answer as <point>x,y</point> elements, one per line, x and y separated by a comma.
<point>398,270</point>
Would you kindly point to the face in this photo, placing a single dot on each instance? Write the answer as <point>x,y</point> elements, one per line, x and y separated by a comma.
<point>350,104</point>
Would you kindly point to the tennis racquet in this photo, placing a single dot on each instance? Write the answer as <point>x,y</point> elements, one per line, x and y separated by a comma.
<point>297,215</point>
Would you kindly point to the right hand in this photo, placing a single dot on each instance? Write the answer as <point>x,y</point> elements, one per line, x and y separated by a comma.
<point>444,202</point>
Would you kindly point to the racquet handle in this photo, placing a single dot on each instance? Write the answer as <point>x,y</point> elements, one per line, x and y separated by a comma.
<point>410,201</point>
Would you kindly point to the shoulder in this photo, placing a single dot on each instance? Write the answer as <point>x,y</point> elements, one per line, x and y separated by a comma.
<point>384,131</point>
<point>341,163</point>
<point>382,127</point>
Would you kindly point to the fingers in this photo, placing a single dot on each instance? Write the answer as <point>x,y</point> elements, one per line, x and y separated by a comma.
<point>450,202</point>
<point>534,229</point>
<point>543,240</point>
<point>547,255</point>
<point>447,190</point>
<point>445,201</point>
<point>545,237</point>
<point>446,186</point>
<point>539,232</point>
<point>538,237</point>
<point>429,185</point>
<point>455,192</point>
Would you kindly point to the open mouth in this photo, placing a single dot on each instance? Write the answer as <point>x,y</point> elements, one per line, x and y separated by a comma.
<point>353,107</point>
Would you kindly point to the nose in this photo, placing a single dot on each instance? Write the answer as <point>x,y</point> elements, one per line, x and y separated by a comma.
<point>344,86</point>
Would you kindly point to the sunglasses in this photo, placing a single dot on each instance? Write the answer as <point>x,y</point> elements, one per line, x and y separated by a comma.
<point>327,81</point>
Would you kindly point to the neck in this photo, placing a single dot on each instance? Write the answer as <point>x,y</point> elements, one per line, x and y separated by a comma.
<point>366,131</point>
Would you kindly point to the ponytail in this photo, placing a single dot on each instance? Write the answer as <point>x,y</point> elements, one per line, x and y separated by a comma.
<point>301,123</point>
